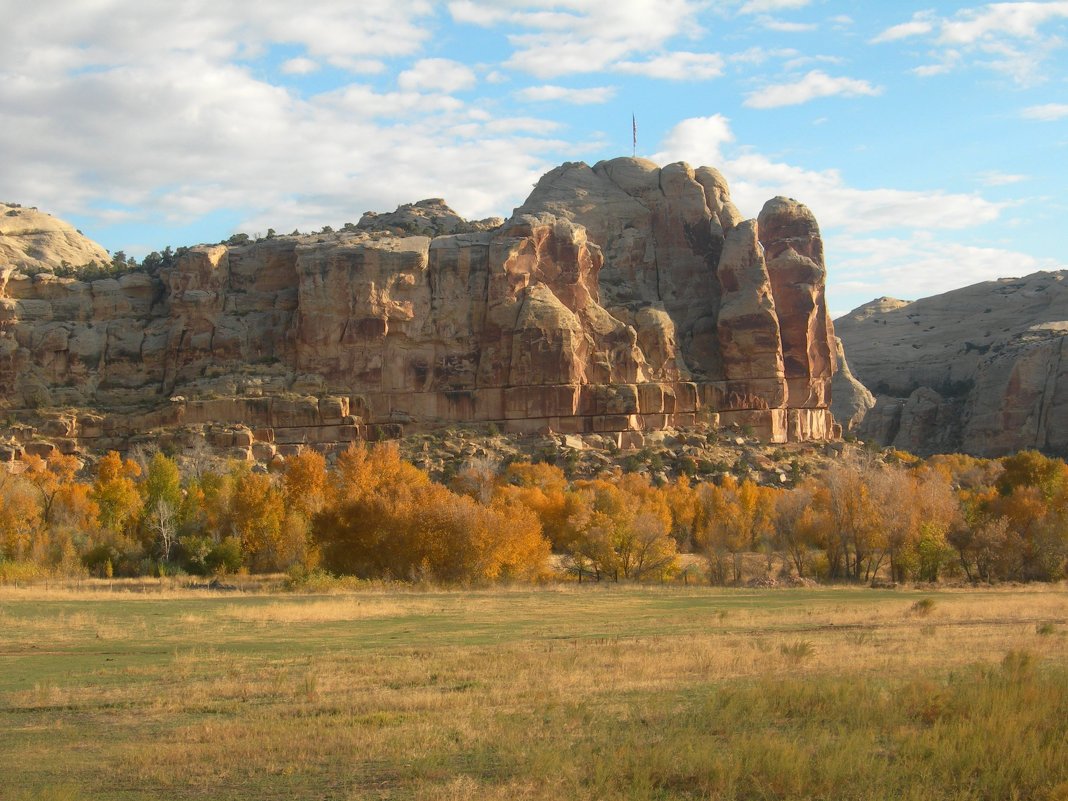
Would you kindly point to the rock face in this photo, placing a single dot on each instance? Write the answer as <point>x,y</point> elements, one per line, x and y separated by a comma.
<point>33,241</point>
<point>851,400</point>
<point>619,298</point>
<point>981,369</point>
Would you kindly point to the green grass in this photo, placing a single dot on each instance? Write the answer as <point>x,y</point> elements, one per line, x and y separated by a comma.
<point>556,693</point>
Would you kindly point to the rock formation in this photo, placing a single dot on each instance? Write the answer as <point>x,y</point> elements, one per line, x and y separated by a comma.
<point>32,241</point>
<point>618,299</point>
<point>983,369</point>
<point>850,400</point>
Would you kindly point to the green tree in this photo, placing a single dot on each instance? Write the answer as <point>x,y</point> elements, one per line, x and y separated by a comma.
<point>161,492</point>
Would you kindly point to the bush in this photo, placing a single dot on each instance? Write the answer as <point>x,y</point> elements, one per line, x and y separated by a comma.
<point>225,557</point>
<point>195,550</point>
<point>797,652</point>
<point>12,572</point>
<point>923,607</point>
<point>99,559</point>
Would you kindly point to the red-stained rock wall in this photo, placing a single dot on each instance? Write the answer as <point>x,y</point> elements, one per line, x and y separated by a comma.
<point>618,298</point>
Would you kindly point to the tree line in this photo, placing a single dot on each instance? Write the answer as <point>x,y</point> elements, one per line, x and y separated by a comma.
<point>373,515</point>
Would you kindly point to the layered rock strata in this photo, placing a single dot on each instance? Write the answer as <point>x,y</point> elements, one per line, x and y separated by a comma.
<point>982,369</point>
<point>619,298</point>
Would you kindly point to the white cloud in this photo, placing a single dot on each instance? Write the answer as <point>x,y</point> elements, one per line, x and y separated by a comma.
<point>919,25</point>
<point>1048,112</point>
<point>836,204</point>
<point>1000,20</point>
<point>996,178</point>
<point>362,102</point>
<point>804,61</point>
<point>814,85</point>
<point>299,66</point>
<point>516,124</point>
<point>782,26</point>
<point>437,75</point>
<point>754,178</point>
<point>930,70</point>
<point>763,6</point>
<point>67,34</point>
<point>580,36</point>
<point>677,66</point>
<point>698,140</point>
<point>862,268</point>
<point>155,119</point>
<point>754,56</point>
<point>1009,38</point>
<point>579,97</point>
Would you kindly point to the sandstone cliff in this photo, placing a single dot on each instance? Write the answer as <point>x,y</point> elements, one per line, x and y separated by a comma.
<point>618,299</point>
<point>981,369</point>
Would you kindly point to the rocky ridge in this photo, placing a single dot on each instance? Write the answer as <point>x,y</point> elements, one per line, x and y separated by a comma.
<point>619,299</point>
<point>982,369</point>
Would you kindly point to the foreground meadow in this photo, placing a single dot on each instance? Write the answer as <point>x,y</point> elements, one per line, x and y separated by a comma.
<point>552,693</point>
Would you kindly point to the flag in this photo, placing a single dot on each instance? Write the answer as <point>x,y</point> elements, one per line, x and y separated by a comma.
<point>634,132</point>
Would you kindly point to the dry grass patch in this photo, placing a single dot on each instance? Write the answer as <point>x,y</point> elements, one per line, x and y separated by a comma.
<point>592,693</point>
<point>333,610</point>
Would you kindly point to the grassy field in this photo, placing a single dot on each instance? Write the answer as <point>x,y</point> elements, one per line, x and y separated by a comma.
<point>554,693</point>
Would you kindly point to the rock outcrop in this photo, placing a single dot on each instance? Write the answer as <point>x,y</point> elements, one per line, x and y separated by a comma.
<point>981,369</point>
<point>850,400</point>
<point>618,299</point>
<point>32,241</point>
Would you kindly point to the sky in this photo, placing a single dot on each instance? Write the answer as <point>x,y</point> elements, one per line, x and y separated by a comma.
<point>929,138</point>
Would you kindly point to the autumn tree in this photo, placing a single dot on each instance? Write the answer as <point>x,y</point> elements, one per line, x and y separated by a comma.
<point>542,488</point>
<point>68,514</point>
<point>257,514</point>
<point>915,509</point>
<point>734,518</point>
<point>978,537</point>
<point>477,479</point>
<point>114,491</point>
<point>1032,499</point>
<point>621,528</point>
<point>21,519</point>
<point>798,525</point>
<point>304,481</point>
<point>384,518</point>
<point>1032,470</point>
<point>683,503</point>
<point>53,479</point>
<point>852,511</point>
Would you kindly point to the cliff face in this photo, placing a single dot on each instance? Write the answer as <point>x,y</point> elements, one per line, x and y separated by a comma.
<point>983,369</point>
<point>618,298</point>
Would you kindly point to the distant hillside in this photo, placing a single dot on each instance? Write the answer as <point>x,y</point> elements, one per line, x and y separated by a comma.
<point>983,369</point>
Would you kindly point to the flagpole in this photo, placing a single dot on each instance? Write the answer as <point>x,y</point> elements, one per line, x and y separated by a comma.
<point>634,133</point>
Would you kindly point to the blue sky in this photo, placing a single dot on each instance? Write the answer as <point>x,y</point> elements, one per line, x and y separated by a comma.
<point>928,138</point>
